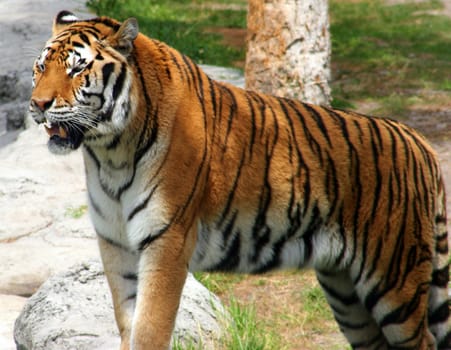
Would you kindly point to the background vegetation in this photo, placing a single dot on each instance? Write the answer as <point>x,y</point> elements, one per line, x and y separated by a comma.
<point>390,60</point>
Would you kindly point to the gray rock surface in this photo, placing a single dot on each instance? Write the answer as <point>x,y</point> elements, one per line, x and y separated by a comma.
<point>73,310</point>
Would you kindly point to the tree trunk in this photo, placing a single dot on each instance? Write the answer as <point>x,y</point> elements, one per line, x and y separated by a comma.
<point>288,49</point>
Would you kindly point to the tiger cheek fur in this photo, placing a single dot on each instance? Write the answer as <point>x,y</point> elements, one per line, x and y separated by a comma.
<point>186,172</point>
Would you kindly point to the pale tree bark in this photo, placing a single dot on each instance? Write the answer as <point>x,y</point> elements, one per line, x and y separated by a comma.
<point>288,49</point>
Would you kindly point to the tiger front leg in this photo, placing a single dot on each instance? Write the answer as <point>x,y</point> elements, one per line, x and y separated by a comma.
<point>163,267</point>
<point>120,266</point>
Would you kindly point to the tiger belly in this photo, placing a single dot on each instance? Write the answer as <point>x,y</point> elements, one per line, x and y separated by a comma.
<point>241,250</point>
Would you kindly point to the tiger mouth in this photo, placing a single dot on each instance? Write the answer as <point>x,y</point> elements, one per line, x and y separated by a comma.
<point>63,135</point>
<point>54,129</point>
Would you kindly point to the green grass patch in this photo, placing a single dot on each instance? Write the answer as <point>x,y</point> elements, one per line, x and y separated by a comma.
<point>218,283</point>
<point>186,25</point>
<point>76,213</point>
<point>380,50</point>
<point>245,332</point>
<point>315,304</point>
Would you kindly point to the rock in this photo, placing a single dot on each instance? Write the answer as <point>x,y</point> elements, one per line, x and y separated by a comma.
<point>73,310</point>
<point>39,194</point>
<point>10,306</point>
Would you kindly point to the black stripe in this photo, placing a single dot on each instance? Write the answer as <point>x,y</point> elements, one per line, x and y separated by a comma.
<point>152,119</point>
<point>211,88</point>
<point>349,325</point>
<point>441,245</point>
<point>119,84</point>
<point>107,70</point>
<point>343,237</point>
<point>232,113</point>
<point>348,300</point>
<point>440,277</point>
<point>175,61</point>
<point>418,332</point>
<point>445,343</point>
<point>315,146</point>
<point>405,310</point>
<point>77,44</point>
<point>313,226</point>
<point>332,186</point>
<point>363,252</point>
<point>114,243</point>
<point>440,314</point>
<point>109,192</point>
<point>300,163</point>
<point>190,74</point>
<point>146,242</point>
<point>370,343</point>
<point>232,191</point>
<point>93,156</point>
<point>253,127</point>
<point>130,297</point>
<point>274,261</point>
<point>319,121</point>
<point>130,276</point>
<point>142,205</point>
<point>151,139</point>
<point>85,39</point>
<point>114,143</point>
<point>261,233</point>
<point>376,135</point>
<point>409,265</point>
<point>95,206</point>
<point>231,257</point>
<point>106,21</point>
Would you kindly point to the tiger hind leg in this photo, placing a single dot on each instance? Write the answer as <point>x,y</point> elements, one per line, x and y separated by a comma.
<point>400,309</point>
<point>355,322</point>
<point>438,308</point>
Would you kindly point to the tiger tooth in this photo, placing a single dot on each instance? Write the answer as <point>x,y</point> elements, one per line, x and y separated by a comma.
<point>62,133</point>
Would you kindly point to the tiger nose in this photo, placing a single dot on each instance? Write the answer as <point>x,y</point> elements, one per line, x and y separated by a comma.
<point>42,104</point>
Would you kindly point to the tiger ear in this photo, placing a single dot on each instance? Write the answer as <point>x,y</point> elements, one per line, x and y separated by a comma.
<point>122,40</point>
<point>62,20</point>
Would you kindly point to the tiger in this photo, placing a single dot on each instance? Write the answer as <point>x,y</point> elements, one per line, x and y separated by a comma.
<point>185,173</point>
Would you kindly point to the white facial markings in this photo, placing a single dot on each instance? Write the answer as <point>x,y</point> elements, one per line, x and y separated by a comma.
<point>40,61</point>
<point>78,59</point>
<point>68,18</point>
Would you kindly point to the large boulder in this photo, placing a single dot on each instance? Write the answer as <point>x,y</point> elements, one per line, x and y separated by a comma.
<point>73,310</point>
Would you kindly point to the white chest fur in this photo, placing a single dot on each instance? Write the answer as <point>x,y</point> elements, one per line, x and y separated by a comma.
<point>125,207</point>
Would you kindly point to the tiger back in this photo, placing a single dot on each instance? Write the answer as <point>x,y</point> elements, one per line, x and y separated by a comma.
<point>186,172</point>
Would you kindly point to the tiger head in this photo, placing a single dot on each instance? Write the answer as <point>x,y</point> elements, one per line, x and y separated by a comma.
<point>81,80</point>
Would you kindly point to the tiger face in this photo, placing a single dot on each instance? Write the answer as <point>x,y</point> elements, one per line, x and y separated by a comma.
<point>81,81</point>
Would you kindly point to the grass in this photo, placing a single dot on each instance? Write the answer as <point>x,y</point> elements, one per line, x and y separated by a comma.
<point>245,331</point>
<point>284,310</point>
<point>183,24</point>
<point>76,213</point>
<point>388,53</point>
